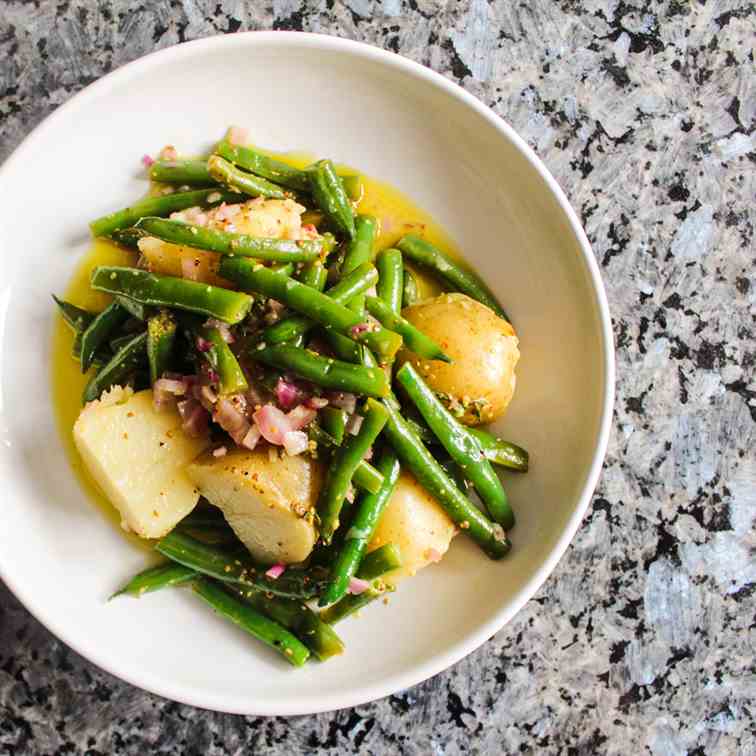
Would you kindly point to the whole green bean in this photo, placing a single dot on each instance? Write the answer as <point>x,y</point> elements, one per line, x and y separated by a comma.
<point>314,274</point>
<point>224,242</point>
<point>380,561</point>
<point>231,379</point>
<point>358,281</point>
<point>344,348</point>
<point>454,471</point>
<point>181,172</point>
<point>323,371</point>
<point>253,622</point>
<point>99,331</point>
<point>459,278</point>
<point>162,205</point>
<point>161,339</point>
<point>236,567</point>
<point>501,452</point>
<point>352,603</point>
<point>167,291</point>
<point>390,278</point>
<point>421,463</point>
<point>316,305</point>
<point>330,196</point>
<point>358,252</point>
<point>128,237</point>
<point>240,181</point>
<point>365,476</point>
<point>269,168</point>
<point>155,578</point>
<point>120,366</point>
<point>318,636</point>
<point>414,339</point>
<point>461,445</point>
<point>369,510</point>
<point>76,317</point>
<point>342,469</point>
<point>410,289</point>
<point>334,421</point>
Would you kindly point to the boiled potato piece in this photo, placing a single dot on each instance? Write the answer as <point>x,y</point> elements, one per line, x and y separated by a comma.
<point>478,386</point>
<point>270,218</point>
<point>415,522</point>
<point>268,501</point>
<point>137,457</point>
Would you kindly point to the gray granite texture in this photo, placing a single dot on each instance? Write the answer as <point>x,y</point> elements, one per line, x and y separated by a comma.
<point>643,639</point>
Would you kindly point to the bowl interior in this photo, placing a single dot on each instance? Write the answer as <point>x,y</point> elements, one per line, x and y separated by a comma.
<point>398,124</point>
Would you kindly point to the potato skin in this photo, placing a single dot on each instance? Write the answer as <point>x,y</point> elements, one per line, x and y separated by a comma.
<point>415,522</point>
<point>478,386</point>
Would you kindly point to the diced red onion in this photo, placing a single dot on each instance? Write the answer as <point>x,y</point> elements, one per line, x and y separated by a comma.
<point>301,416</point>
<point>358,329</point>
<point>203,345</point>
<point>288,394</point>
<point>275,571</point>
<point>223,329</point>
<point>238,136</point>
<point>221,451</point>
<point>295,442</point>
<point>212,376</point>
<point>208,397</point>
<point>353,424</point>
<point>195,422</point>
<point>241,433</point>
<point>170,386</point>
<point>316,402</point>
<point>147,161</point>
<point>230,419</point>
<point>162,399</point>
<point>343,400</point>
<point>433,555</point>
<point>169,152</point>
<point>357,586</point>
<point>251,438</point>
<point>273,423</point>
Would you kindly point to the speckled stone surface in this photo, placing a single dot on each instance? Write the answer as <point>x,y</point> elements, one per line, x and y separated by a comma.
<point>643,639</point>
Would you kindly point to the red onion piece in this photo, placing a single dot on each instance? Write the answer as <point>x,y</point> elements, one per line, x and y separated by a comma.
<point>288,394</point>
<point>343,400</point>
<point>220,451</point>
<point>147,161</point>
<point>231,420</point>
<point>353,424</point>
<point>356,330</point>
<point>203,345</point>
<point>316,402</point>
<point>195,422</point>
<point>275,571</point>
<point>273,423</point>
<point>357,586</point>
<point>301,416</point>
<point>170,386</point>
<point>251,438</point>
<point>295,442</point>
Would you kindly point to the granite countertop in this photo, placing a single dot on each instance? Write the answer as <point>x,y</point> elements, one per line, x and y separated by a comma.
<point>643,639</point>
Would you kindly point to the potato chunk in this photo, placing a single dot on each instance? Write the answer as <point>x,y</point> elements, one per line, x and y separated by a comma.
<point>478,386</point>
<point>267,500</point>
<point>415,522</point>
<point>137,456</point>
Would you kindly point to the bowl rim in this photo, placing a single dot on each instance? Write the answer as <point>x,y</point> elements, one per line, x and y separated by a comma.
<point>236,704</point>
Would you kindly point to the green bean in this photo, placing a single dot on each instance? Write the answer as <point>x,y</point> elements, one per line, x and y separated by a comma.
<point>102,355</point>
<point>128,237</point>
<point>167,291</point>
<point>236,567</point>
<point>359,280</point>
<point>380,561</point>
<point>253,622</point>
<point>354,602</point>
<point>454,471</point>
<point>352,184</point>
<point>459,278</point>
<point>161,339</point>
<point>155,578</point>
<point>319,637</point>
<point>370,507</point>
<point>181,172</point>
<point>390,278</point>
<point>120,366</point>
<point>269,168</point>
<point>365,476</point>
<point>76,317</point>
<point>117,343</point>
<point>461,445</point>
<point>224,242</point>
<point>231,379</point>
<point>330,196</point>
<point>334,421</point>
<point>421,463</point>
<point>358,252</point>
<point>501,452</point>
<point>410,289</point>
<point>98,332</point>
<point>323,371</point>
<point>314,274</point>
<point>342,469</point>
<point>414,339</point>
<point>135,309</point>
<point>229,176</point>
<point>162,205</point>
<point>316,305</point>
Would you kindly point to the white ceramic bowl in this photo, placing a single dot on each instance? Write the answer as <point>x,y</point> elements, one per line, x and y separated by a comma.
<point>398,122</point>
